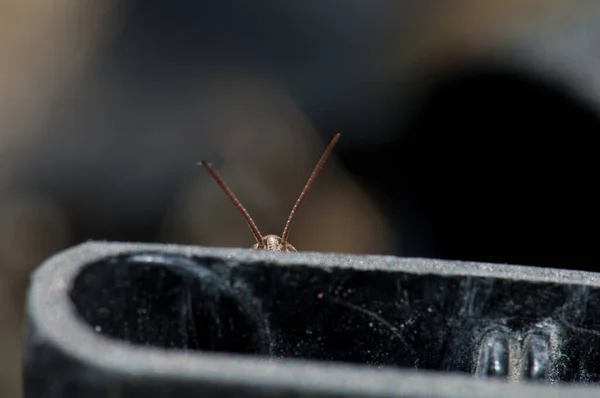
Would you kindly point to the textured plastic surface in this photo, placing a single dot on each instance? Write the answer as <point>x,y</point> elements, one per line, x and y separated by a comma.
<point>108,319</point>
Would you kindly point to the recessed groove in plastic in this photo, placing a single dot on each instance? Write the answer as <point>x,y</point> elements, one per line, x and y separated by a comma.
<point>140,320</point>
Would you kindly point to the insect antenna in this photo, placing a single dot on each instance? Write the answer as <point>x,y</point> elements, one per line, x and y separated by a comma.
<point>309,183</point>
<point>234,200</point>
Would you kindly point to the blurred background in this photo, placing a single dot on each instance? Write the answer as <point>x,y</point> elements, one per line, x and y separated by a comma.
<point>467,129</point>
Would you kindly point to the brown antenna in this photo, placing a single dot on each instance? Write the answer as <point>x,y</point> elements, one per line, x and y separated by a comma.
<point>309,183</point>
<point>236,202</point>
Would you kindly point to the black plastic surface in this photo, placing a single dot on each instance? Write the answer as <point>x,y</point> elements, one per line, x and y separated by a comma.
<point>363,316</point>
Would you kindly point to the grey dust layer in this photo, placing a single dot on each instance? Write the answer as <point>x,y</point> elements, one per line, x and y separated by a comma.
<point>387,307</point>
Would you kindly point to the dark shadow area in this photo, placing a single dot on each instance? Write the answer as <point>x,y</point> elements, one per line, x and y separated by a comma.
<point>497,167</point>
<point>438,322</point>
<point>168,301</point>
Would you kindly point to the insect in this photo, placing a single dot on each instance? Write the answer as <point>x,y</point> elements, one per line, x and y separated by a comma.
<point>274,242</point>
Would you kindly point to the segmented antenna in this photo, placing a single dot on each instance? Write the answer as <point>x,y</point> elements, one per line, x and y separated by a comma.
<point>236,202</point>
<point>309,183</point>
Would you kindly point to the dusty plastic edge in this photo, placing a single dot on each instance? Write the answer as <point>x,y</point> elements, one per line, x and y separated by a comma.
<point>95,250</point>
<point>51,313</point>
